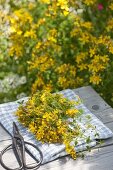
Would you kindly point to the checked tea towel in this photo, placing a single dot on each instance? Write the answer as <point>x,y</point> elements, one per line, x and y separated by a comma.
<point>53,151</point>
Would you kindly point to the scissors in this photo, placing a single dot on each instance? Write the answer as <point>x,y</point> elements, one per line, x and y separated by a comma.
<point>19,148</point>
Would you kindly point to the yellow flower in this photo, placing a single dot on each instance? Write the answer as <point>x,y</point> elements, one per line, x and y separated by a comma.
<point>12,29</point>
<point>92,51</point>
<point>45,1</point>
<point>12,20</point>
<point>83,66</point>
<point>65,12</point>
<point>89,2</point>
<point>38,45</point>
<point>31,5</point>
<point>30,34</point>
<point>38,84</point>
<point>32,127</point>
<point>72,112</point>
<point>95,79</point>
<point>47,116</point>
<point>81,57</point>
<point>85,37</point>
<point>111,6</point>
<point>16,50</point>
<point>109,26</point>
<point>62,81</point>
<point>40,133</point>
<point>63,4</point>
<point>48,87</point>
<point>111,48</point>
<point>99,63</point>
<point>52,39</point>
<point>87,25</point>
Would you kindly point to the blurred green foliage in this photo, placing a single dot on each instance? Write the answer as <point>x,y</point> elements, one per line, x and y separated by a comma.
<point>55,45</point>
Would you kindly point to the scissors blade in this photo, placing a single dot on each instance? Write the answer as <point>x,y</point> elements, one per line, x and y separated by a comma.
<point>15,129</point>
<point>18,145</point>
<point>17,154</point>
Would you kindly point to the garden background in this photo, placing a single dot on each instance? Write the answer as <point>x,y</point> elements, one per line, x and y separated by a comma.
<point>55,45</point>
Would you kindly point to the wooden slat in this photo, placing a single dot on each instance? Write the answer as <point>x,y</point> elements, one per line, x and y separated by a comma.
<point>3,134</point>
<point>110,125</point>
<point>106,116</point>
<point>96,101</point>
<point>4,143</point>
<point>86,92</point>
<point>91,98</point>
<point>98,160</point>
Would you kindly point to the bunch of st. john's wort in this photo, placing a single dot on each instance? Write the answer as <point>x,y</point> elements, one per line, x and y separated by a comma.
<point>52,119</point>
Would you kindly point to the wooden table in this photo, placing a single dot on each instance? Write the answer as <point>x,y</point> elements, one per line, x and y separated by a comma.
<point>97,159</point>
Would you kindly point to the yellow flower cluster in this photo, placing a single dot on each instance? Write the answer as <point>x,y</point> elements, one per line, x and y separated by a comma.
<point>64,80</point>
<point>61,46</point>
<point>20,34</point>
<point>111,6</point>
<point>48,117</point>
<point>89,2</point>
<point>63,4</point>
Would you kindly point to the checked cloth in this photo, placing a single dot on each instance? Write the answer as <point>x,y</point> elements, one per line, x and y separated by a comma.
<point>53,151</point>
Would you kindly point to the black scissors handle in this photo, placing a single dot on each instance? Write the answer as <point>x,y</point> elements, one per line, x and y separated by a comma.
<point>19,147</point>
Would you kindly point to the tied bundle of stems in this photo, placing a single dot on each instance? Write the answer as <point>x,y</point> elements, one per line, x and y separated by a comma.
<point>51,118</point>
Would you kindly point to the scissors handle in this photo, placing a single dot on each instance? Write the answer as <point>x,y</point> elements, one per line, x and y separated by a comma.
<point>9,147</point>
<point>38,161</point>
<point>20,156</point>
